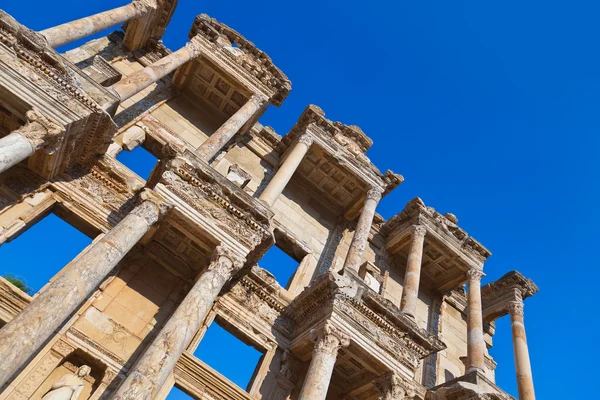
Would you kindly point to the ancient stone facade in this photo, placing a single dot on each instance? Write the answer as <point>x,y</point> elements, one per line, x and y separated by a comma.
<point>375,310</point>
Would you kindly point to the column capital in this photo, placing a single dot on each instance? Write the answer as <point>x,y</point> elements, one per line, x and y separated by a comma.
<point>225,262</point>
<point>41,130</point>
<point>475,274</point>
<point>306,139</point>
<point>329,339</point>
<point>258,99</point>
<point>163,206</point>
<point>375,194</point>
<point>144,6</point>
<point>516,308</point>
<point>391,386</point>
<point>194,47</point>
<point>418,231</point>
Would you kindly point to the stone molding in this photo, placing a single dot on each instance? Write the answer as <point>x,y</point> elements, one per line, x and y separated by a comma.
<point>329,339</point>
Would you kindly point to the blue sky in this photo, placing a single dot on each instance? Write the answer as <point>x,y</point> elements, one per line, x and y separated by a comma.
<point>488,109</point>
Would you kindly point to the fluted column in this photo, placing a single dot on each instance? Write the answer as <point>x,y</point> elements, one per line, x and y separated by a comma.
<point>412,276</point>
<point>157,363</point>
<point>286,170</point>
<point>140,80</point>
<point>522,362</point>
<point>78,29</point>
<point>363,228</point>
<point>221,136</point>
<point>475,342</point>
<point>22,337</point>
<point>328,340</point>
<point>39,131</point>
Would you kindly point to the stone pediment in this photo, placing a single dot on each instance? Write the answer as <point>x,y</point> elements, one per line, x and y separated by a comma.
<point>35,76</point>
<point>228,49</point>
<point>217,209</point>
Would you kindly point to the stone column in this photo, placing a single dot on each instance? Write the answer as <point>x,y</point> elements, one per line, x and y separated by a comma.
<point>23,336</point>
<point>522,363</point>
<point>286,170</point>
<point>39,131</point>
<point>75,30</point>
<point>475,343</point>
<point>391,387</point>
<point>412,276</point>
<point>221,136</point>
<point>363,228</point>
<point>328,340</point>
<point>140,80</point>
<point>156,364</point>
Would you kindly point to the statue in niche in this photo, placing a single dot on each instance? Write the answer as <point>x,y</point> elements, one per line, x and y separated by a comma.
<point>70,386</point>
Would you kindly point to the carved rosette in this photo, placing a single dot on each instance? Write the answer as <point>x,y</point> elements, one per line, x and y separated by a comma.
<point>306,139</point>
<point>329,339</point>
<point>516,308</point>
<point>375,194</point>
<point>41,130</point>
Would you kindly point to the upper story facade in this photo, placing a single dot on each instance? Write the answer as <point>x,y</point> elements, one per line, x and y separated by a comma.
<point>375,309</point>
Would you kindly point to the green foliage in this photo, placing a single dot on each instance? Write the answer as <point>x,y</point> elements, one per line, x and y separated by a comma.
<point>18,282</point>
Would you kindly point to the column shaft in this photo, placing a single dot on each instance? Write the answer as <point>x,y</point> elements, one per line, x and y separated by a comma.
<point>522,362</point>
<point>22,337</point>
<point>475,344</point>
<point>286,170</point>
<point>74,30</point>
<point>328,341</point>
<point>140,80</point>
<point>412,276</point>
<point>363,228</point>
<point>221,136</point>
<point>157,363</point>
<point>14,148</point>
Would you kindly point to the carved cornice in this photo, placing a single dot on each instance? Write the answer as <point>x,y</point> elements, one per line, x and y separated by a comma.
<point>245,54</point>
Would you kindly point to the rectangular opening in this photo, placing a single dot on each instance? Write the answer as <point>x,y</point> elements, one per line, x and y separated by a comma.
<point>178,394</point>
<point>41,251</point>
<point>139,160</point>
<point>228,355</point>
<point>280,265</point>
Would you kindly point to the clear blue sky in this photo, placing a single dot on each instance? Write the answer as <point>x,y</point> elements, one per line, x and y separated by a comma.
<point>489,110</point>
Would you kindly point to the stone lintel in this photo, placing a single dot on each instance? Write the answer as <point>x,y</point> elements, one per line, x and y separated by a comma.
<point>497,296</point>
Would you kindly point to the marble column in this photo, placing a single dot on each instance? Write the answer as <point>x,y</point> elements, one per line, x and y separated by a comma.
<point>363,228</point>
<point>140,80</point>
<point>412,276</point>
<point>522,362</point>
<point>475,343</point>
<point>286,170</point>
<point>156,364</point>
<point>221,136</point>
<point>391,387</point>
<point>27,332</point>
<point>78,29</point>
<point>39,131</point>
<point>328,340</point>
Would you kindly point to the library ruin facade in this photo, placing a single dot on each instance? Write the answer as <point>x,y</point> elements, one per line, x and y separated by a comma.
<point>376,309</point>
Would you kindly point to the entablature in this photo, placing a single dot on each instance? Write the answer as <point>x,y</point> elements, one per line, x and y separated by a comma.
<point>498,296</point>
<point>448,250</point>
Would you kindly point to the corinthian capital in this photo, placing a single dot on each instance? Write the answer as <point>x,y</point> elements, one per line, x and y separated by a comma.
<point>375,194</point>
<point>194,47</point>
<point>225,262</point>
<point>306,139</point>
<point>418,231</point>
<point>516,308</point>
<point>258,99</point>
<point>41,130</point>
<point>391,387</point>
<point>475,274</point>
<point>329,339</point>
